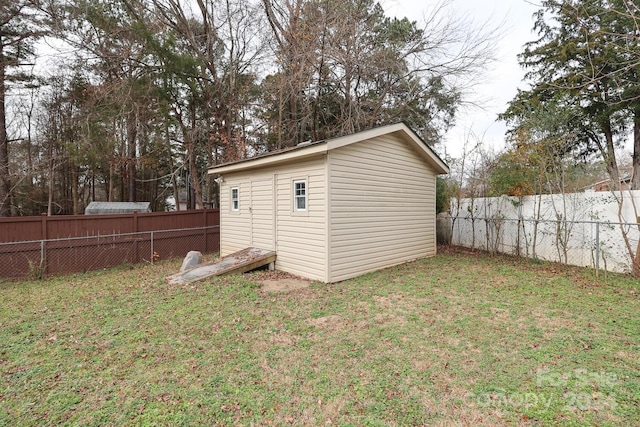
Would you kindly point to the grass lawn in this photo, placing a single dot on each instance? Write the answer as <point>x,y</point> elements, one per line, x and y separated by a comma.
<point>462,338</point>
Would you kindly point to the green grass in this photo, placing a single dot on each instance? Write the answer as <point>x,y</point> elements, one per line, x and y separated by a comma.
<point>460,338</point>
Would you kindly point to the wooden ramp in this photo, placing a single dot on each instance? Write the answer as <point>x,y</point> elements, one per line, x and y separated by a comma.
<point>237,262</point>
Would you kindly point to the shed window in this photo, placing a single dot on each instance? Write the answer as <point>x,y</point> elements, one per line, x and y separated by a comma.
<point>300,195</point>
<point>235,199</point>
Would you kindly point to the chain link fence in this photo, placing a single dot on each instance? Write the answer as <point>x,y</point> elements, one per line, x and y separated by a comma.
<point>42,258</point>
<point>607,246</point>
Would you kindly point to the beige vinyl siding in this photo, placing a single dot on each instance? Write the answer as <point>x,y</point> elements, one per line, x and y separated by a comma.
<point>301,236</point>
<point>235,227</point>
<point>262,210</point>
<point>382,207</point>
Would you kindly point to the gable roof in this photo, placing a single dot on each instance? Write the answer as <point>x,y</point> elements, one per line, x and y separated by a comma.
<point>308,149</point>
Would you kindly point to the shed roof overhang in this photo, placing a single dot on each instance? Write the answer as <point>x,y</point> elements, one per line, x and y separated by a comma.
<point>308,150</point>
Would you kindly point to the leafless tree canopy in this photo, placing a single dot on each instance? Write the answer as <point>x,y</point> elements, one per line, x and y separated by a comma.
<point>133,99</point>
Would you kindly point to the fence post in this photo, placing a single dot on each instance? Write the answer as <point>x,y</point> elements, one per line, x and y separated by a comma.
<point>136,254</point>
<point>152,252</point>
<point>597,248</point>
<point>204,212</point>
<point>44,236</point>
<point>43,232</point>
<point>518,240</point>
<point>42,260</point>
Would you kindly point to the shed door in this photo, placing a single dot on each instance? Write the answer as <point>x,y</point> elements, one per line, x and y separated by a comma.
<point>262,213</point>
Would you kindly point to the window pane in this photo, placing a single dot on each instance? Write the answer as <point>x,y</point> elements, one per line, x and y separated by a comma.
<point>300,195</point>
<point>301,203</point>
<point>235,199</point>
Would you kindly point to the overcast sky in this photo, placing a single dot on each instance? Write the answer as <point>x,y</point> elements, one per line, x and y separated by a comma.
<point>505,76</point>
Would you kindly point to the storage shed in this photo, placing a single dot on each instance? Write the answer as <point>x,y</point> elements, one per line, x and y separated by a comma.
<point>334,209</point>
<point>95,208</point>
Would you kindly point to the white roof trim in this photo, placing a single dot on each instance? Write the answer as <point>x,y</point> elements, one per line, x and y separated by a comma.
<point>323,147</point>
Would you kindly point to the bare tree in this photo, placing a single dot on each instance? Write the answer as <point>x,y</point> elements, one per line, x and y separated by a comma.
<point>213,67</point>
<point>17,34</point>
<point>345,66</point>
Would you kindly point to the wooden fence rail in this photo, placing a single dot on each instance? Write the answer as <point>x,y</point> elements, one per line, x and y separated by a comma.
<point>84,243</point>
<point>20,229</point>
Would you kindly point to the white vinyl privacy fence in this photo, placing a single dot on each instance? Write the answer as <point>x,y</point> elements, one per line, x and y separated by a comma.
<point>598,230</point>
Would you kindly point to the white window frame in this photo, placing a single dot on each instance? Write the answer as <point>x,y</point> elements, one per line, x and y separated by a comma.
<point>297,197</point>
<point>234,204</point>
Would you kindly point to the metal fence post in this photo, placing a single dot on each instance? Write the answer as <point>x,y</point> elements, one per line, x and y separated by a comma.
<point>518,239</point>
<point>152,251</point>
<point>597,249</point>
<point>42,261</point>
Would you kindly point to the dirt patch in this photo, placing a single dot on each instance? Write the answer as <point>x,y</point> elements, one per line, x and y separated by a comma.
<point>386,318</point>
<point>332,322</point>
<point>459,250</point>
<point>274,281</point>
<point>283,338</point>
<point>500,314</point>
<point>387,302</point>
<point>283,285</point>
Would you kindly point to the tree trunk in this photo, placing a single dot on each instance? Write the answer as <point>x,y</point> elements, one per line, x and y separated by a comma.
<point>51,180</point>
<point>132,133</point>
<point>174,182</point>
<point>193,173</point>
<point>315,114</point>
<point>635,174</point>
<point>74,188</point>
<point>610,158</point>
<point>635,180</point>
<point>5,181</point>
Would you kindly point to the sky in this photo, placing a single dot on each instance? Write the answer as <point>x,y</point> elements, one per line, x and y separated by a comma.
<point>502,79</point>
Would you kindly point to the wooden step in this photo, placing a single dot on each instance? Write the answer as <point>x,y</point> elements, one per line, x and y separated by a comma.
<point>237,262</point>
